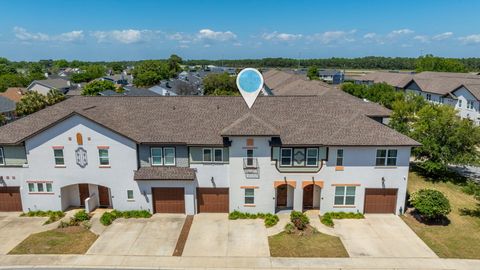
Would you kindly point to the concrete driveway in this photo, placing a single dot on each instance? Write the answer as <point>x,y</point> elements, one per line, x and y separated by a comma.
<point>380,235</point>
<point>157,235</point>
<point>14,229</point>
<point>215,235</point>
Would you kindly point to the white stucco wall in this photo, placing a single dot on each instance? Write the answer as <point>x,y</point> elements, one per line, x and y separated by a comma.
<point>39,88</point>
<point>464,95</point>
<point>359,168</point>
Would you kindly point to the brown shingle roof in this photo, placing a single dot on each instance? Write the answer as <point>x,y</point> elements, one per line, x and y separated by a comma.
<point>249,124</point>
<point>164,173</point>
<point>300,120</point>
<point>14,93</point>
<point>392,78</point>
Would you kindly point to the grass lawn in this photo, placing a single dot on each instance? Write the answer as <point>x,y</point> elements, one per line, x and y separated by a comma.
<point>461,238</point>
<point>70,240</point>
<point>314,245</point>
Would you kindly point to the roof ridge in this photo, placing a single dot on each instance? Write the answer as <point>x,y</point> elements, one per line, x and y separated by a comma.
<point>245,117</point>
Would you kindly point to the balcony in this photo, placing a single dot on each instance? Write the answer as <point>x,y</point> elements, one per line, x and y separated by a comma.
<point>250,167</point>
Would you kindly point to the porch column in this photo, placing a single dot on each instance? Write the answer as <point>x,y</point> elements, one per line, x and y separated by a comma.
<point>298,198</point>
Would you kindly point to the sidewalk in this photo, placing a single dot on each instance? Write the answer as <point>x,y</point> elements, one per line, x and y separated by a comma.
<point>99,261</point>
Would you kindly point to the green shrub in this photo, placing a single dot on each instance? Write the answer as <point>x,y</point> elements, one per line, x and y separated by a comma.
<point>234,215</point>
<point>299,219</point>
<point>108,217</point>
<point>430,203</point>
<point>270,220</point>
<point>80,216</point>
<point>289,228</point>
<point>52,215</point>
<point>471,188</point>
<point>327,218</point>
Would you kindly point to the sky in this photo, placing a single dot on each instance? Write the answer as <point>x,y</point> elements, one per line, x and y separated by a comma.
<point>135,30</point>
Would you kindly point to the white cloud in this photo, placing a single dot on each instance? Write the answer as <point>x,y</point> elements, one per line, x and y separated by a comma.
<point>210,35</point>
<point>470,39</point>
<point>400,32</point>
<point>275,36</point>
<point>443,36</point>
<point>23,35</point>
<point>370,35</point>
<point>333,37</point>
<point>127,36</point>
<point>422,39</point>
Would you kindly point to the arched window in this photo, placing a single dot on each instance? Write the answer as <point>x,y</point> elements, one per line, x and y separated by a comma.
<point>79,139</point>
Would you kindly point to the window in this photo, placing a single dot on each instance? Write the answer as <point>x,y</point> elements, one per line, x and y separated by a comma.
<point>218,154</point>
<point>207,155</point>
<point>2,157</point>
<point>40,187</point>
<point>103,157</point>
<point>459,103</point>
<point>250,161</point>
<point>441,100</point>
<point>130,194</point>
<point>386,157</point>
<point>156,154</point>
<point>286,157</point>
<point>470,104</point>
<point>249,196</point>
<point>169,156</point>
<point>58,155</point>
<point>312,156</point>
<point>429,97</point>
<point>49,187</point>
<point>344,195</point>
<point>339,157</point>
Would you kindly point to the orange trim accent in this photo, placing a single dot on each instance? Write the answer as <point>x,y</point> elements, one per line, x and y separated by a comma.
<point>60,166</point>
<point>41,193</point>
<point>283,182</point>
<point>104,166</point>
<point>318,183</point>
<point>79,139</point>
<point>249,187</point>
<point>338,168</point>
<point>249,205</point>
<point>344,206</point>
<point>57,147</point>
<point>38,181</point>
<point>250,142</point>
<point>103,147</point>
<point>345,185</point>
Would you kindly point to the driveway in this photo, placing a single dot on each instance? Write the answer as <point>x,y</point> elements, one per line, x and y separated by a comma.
<point>157,235</point>
<point>215,235</point>
<point>380,235</point>
<point>14,229</point>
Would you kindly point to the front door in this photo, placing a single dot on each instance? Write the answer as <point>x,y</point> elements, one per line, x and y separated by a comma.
<point>84,193</point>
<point>308,197</point>
<point>282,196</point>
<point>103,197</point>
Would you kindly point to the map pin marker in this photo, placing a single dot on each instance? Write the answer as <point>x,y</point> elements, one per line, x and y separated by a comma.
<point>249,83</point>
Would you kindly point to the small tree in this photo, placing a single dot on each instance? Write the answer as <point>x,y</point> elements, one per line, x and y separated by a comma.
<point>95,87</point>
<point>312,73</point>
<point>54,96</point>
<point>430,203</point>
<point>31,102</point>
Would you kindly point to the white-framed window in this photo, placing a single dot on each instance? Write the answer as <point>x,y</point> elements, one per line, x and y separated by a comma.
<point>250,159</point>
<point>429,97</point>
<point>156,154</point>
<point>58,156</point>
<point>129,194</point>
<point>470,104</point>
<point>2,157</point>
<point>312,157</point>
<point>459,103</point>
<point>386,157</point>
<point>339,161</point>
<point>103,157</point>
<point>218,154</point>
<point>169,156</point>
<point>40,187</point>
<point>344,195</point>
<point>286,157</point>
<point>249,196</point>
<point>207,155</point>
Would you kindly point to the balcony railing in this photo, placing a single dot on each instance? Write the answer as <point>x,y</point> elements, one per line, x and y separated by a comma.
<point>250,163</point>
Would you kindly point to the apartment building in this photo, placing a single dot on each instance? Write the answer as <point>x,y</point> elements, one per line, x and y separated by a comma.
<point>184,154</point>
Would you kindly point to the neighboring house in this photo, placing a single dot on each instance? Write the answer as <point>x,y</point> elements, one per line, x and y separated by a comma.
<point>14,93</point>
<point>129,91</point>
<point>44,86</point>
<point>459,90</point>
<point>204,154</point>
<point>121,79</point>
<point>331,76</point>
<point>7,108</point>
<point>173,87</point>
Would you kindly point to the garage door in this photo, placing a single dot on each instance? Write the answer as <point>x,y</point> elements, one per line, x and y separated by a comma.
<point>212,200</point>
<point>10,199</point>
<point>380,200</point>
<point>168,200</point>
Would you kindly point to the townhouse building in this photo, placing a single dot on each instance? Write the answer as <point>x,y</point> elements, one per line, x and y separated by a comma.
<point>190,155</point>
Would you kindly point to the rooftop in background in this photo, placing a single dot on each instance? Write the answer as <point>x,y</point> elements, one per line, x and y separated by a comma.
<point>6,105</point>
<point>14,93</point>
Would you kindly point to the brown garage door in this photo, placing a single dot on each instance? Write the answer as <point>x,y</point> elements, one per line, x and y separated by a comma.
<point>10,199</point>
<point>212,200</point>
<point>380,200</point>
<point>168,200</point>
